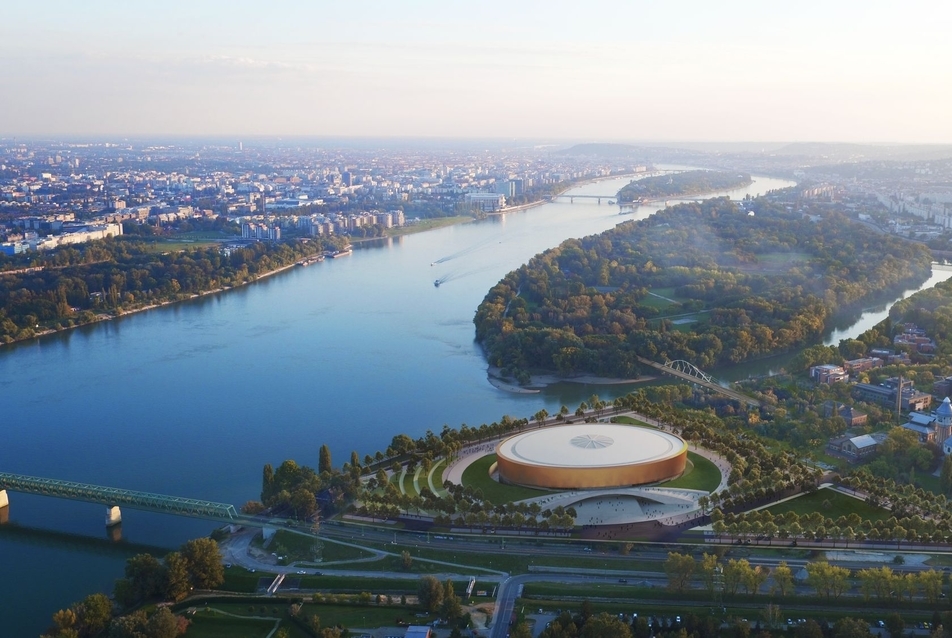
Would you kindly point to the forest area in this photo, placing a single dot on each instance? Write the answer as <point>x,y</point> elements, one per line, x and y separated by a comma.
<point>712,282</point>
<point>684,184</point>
<point>79,284</point>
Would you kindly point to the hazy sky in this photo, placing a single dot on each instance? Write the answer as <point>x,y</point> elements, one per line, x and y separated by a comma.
<point>624,70</point>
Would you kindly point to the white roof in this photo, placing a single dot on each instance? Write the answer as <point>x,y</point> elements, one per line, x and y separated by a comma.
<point>590,445</point>
<point>863,440</point>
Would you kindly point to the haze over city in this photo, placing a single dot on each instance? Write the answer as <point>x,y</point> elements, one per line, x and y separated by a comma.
<point>857,72</point>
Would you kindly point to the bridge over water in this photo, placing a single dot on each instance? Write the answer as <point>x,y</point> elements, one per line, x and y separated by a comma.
<point>113,498</point>
<point>689,372</point>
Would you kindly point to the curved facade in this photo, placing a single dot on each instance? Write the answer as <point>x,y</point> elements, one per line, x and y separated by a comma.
<point>591,455</point>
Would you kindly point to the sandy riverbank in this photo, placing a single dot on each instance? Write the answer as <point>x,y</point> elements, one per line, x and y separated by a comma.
<point>538,382</point>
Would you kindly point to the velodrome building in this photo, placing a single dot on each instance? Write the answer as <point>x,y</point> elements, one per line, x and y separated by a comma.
<point>590,456</point>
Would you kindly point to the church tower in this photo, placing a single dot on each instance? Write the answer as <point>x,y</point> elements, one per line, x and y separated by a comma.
<point>943,421</point>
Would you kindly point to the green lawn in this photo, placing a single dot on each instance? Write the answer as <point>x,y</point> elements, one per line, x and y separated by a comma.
<point>477,475</point>
<point>840,505</point>
<point>428,224</point>
<point>407,487</point>
<point>436,472</point>
<point>209,625</point>
<point>703,475</point>
<point>335,551</point>
<point>294,546</point>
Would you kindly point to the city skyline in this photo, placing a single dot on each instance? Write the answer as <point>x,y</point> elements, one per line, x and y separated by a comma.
<point>608,72</point>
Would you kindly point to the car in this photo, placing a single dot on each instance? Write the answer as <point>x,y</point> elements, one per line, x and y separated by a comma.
<point>227,565</point>
<point>252,570</point>
<point>623,581</point>
<point>301,571</point>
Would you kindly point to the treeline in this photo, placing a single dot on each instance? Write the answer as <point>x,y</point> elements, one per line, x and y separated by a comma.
<point>78,284</point>
<point>929,309</point>
<point>197,565</point>
<point>682,184</point>
<point>749,285</point>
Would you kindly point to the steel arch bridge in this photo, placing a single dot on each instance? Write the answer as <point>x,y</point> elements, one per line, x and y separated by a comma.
<point>689,369</point>
<point>115,497</point>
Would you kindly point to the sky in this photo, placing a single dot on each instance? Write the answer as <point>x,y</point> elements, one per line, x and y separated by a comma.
<point>628,70</point>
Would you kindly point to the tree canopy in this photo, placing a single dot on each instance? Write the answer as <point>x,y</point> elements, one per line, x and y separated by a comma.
<point>710,282</point>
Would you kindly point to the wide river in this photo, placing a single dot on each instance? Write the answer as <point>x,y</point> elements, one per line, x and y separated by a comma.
<point>193,399</point>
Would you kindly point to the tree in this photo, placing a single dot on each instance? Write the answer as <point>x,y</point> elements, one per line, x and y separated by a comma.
<point>931,583</point>
<point>162,624</point>
<point>303,503</point>
<point>177,577</point>
<point>521,630</point>
<point>679,568</point>
<point>709,572</point>
<point>605,626</point>
<point>945,477</point>
<point>851,628</point>
<point>430,593</point>
<point>451,609</point>
<point>406,560</point>
<point>783,578</point>
<point>204,563</point>
<point>146,577</point>
<point>267,483</point>
<point>895,625</point>
<point>324,462</point>
<point>95,613</point>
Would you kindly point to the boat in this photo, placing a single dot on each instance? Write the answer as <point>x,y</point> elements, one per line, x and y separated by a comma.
<point>342,253</point>
<point>437,283</point>
<point>611,202</point>
<point>314,259</point>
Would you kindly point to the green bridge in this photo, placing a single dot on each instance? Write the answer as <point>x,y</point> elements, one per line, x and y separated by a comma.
<point>113,497</point>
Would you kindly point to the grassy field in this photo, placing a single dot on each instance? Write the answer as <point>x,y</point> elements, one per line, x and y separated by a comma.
<point>840,505</point>
<point>209,625</point>
<point>704,475</point>
<point>477,475</point>
<point>294,546</point>
<point>172,245</point>
<point>334,552</point>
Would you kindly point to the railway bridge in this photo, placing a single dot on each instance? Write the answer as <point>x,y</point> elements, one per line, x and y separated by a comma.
<point>690,372</point>
<point>113,498</point>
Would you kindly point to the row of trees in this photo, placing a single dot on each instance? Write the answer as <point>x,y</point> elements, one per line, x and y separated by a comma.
<point>585,305</point>
<point>197,565</point>
<point>828,581</point>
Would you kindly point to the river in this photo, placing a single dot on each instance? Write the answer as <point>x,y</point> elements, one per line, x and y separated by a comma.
<point>192,399</point>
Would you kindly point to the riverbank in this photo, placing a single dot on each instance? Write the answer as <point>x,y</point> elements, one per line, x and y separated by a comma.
<point>594,180</point>
<point>539,382</point>
<point>125,313</point>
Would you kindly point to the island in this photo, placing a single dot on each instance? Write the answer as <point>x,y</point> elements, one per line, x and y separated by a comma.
<point>684,184</point>
<point>712,283</point>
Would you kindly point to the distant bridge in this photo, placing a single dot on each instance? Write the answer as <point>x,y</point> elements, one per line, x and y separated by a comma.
<point>690,372</point>
<point>113,497</point>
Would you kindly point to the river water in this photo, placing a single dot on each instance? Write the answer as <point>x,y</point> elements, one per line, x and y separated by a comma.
<point>192,399</point>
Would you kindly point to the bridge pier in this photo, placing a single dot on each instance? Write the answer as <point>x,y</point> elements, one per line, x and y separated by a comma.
<point>113,516</point>
<point>571,200</point>
<point>4,499</point>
